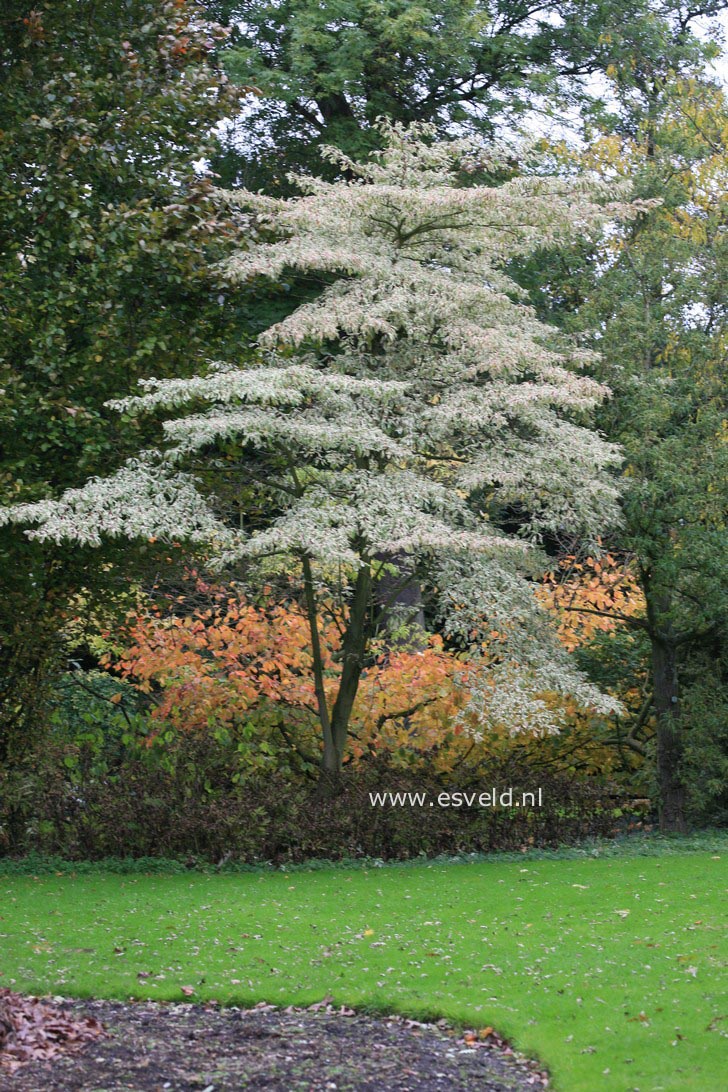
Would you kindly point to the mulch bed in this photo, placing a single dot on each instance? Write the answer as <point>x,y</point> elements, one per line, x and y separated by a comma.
<point>108,1046</point>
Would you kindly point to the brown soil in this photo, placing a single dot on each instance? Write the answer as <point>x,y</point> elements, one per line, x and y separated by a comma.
<point>151,1047</point>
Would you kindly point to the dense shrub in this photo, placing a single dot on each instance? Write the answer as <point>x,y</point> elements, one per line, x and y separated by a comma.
<point>151,810</point>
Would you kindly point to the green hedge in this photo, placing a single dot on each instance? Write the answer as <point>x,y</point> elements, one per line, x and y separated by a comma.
<point>145,810</point>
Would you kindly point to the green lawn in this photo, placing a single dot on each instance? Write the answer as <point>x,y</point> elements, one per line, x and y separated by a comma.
<point>609,970</point>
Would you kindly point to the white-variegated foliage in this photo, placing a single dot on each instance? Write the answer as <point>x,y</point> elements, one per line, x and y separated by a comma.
<point>417,379</point>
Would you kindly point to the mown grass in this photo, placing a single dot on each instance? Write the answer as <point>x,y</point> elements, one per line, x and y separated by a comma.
<point>611,970</point>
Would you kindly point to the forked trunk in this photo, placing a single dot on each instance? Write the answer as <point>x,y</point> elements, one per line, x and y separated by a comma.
<point>354,646</point>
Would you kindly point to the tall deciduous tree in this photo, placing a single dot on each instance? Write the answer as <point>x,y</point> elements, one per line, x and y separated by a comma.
<point>106,239</point>
<point>656,293</point>
<point>665,347</point>
<point>386,414</point>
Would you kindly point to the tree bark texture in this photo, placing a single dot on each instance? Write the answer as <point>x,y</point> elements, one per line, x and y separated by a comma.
<point>669,736</point>
<point>353,651</point>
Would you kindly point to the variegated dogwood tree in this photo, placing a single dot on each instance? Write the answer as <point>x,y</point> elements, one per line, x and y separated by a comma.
<point>384,415</point>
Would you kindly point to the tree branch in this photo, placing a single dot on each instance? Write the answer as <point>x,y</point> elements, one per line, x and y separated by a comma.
<point>636,623</point>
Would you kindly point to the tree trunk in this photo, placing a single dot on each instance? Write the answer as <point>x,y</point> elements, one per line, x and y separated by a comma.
<point>331,763</point>
<point>353,651</point>
<point>331,759</point>
<point>669,736</point>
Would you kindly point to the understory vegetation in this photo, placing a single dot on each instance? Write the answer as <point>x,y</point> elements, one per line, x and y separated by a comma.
<point>196,738</point>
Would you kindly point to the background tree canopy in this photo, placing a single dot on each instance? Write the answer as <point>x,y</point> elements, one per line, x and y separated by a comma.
<point>107,237</point>
<point>326,72</point>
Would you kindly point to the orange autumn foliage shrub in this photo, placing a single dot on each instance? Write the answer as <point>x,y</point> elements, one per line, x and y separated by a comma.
<point>243,672</point>
<point>223,661</point>
<point>407,707</point>
<point>593,596</point>
<point>246,670</point>
<point>227,667</point>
